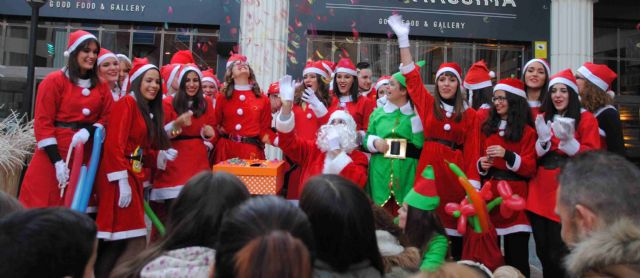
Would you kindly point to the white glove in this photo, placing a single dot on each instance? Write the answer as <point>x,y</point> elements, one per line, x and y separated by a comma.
<point>382,101</point>
<point>287,88</point>
<point>401,29</point>
<point>309,96</point>
<point>543,129</point>
<point>125,193</point>
<point>563,128</point>
<point>62,172</point>
<point>166,155</point>
<point>81,136</point>
<point>333,138</point>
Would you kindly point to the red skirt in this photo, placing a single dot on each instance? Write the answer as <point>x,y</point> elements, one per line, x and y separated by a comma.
<point>518,221</point>
<point>227,149</point>
<point>114,222</point>
<point>541,199</point>
<point>192,159</point>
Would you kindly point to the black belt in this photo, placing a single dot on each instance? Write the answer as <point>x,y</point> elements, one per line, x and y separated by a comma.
<point>186,137</point>
<point>498,174</point>
<point>413,151</point>
<point>241,139</point>
<point>73,125</point>
<point>552,160</point>
<point>447,143</point>
<point>134,157</point>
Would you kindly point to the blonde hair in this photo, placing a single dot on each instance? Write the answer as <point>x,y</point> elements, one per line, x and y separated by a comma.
<point>594,98</point>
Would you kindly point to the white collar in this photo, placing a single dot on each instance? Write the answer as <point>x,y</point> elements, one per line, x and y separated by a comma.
<point>534,103</point>
<point>446,107</point>
<point>484,106</point>
<point>503,125</point>
<point>405,109</point>
<point>242,87</point>
<point>83,83</point>
<point>346,98</point>
<point>604,108</point>
<point>365,93</point>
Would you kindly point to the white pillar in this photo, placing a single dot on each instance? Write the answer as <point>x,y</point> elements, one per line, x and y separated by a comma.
<point>263,39</point>
<point>571,33</point>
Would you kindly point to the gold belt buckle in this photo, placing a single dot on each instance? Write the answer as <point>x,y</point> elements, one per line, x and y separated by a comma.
<point>397,148</point>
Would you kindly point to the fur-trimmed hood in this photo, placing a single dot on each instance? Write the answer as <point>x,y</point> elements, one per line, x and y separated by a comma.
<point>611,252</point>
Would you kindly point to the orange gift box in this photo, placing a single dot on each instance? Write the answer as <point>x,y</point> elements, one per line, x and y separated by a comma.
<point>260,176</point>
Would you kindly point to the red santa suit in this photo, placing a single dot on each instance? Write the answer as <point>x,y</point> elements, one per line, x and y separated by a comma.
<point>445,140</point>
<point>245,121</point>
<point>190,144</point>
<point>313,161</point>
<point>61,109</point>
<point>126,150</point>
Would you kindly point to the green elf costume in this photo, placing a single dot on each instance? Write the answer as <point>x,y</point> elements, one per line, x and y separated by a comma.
<point>392,175</point>
<point>424,196</point>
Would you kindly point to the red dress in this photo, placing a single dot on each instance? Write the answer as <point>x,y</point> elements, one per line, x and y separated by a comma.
<point>313,161</point>
<point>59,100</point>
<point>192,153</point>
<point>241,117</point>
<point>535,107</point>
<point>524,167</point>
<point>127,133</point>
<point>541,199</point>
<point>465,152</point>
<point>360,110</point>
<point>307,125</point>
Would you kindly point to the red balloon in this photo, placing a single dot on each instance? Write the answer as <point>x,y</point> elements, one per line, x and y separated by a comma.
<point>504,189</point>
<point>505,211</point>
<point>450,208</point>
<point>485,192</point>
<point>514,203</point>
<point>462,225</point>
<point>468,210</point>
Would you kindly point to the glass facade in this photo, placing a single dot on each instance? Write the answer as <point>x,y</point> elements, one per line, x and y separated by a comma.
<point>157,43</point>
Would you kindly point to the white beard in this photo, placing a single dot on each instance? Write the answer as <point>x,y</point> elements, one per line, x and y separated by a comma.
<point>347,138</point>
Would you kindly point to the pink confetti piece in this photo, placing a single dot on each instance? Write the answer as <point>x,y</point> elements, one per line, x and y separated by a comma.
<point>170,10</point>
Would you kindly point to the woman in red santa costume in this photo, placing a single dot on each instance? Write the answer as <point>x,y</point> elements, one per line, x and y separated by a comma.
<point>189,119</point>
<point>135,139</point>
<point>479,86</point>
<point>334,150</point>
<point>536,82</point>
<point>109,72</point>
<point>125,66</point>
<point>507,144</point>
<point>345,88</point>
<point>382,89</point>
<point>170,84</point>
<point>450,129</point>
<point>564,129</point>
<point>210,85</point>
<point>69,104</point>
<point>243,114</point>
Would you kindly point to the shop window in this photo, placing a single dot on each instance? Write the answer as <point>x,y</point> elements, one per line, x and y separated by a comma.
<point>345,48</point>
<point>375,52</point>
<point>173,43</point>
<point>204,51</point>
<point>116,41</point>
<point>50,47</point>
<point>605,42</point>
<point>433,55</point>
<point>490,57</point>
<point>630,43</point>
<point>16,46</point>
<point>147,45</point>
<point>462,55</point>
<point>319,48</point>
<point>510,63</point>
<point>11,95</point>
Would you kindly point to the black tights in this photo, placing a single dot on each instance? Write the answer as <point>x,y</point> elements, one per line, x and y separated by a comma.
<point>516,251</point>
<point>550,248</point>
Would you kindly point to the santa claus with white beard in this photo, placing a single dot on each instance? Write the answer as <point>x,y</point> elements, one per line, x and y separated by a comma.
<point>334,151</point>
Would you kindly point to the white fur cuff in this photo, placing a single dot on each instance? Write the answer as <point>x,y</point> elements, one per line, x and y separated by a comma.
<point>47,142</point>
<point>370,146</point>
<point>516,163</point>
<point>408,68</point>
<point>114,176</point>
<point>416,124</point>
<point>570,147</point>
<point>336,165</point>
<point>283,124</point>
<point>541,151</point>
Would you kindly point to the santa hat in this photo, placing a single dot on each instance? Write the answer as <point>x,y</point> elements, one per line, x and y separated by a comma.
<point>565,77</point>
<point>236,57</point>
<point>544,63</point>
<point>477,77</point>
<point>124,58</point>
<point>209,76</point>
<point>599,75</point>
<point>398,76</point>
<point>188,68</point>
<point>183,57</point>
<point>342,115</point>
<point>104,54</point>
<point>329,66</point>
<point>76,38</point>
<point>140,66</point>
<point>383,80</point>
<point>511,85</point>
<point>169,73</point>
<point>346,66</point>
<point>424,194</point>
<point>274,88</point>
<point>453,68</point>
<point>316,67</point>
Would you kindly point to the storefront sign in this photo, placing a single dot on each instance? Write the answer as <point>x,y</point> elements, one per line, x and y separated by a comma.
<point>224,13</point>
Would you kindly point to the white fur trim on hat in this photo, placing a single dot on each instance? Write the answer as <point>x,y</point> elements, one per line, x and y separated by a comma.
<point>381,83</point>
<point>510,89</point>
<point>209,79</point>
<point>562,80</point>
<point>172,75</point>
<point>124,57</point>
<point>140,71</point>
<point>105,56</point>
<point>477,86</point>
<point>315,70</point>
<point>347,70</point>
<point>593,78</point>
<point>79,41</point>
<point>449,69</point>
<point>189,68</point>
<point>544,64</point>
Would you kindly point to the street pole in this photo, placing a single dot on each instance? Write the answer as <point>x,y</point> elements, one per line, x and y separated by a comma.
<point>31,60</point>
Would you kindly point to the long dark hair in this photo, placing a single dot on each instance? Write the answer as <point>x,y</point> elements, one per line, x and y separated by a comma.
<point>194,218</point>
<point>342,220</point>
<point>481,96</point>
<point>422,226</point>
<point>181,99</point>
<point>73,68</point>
<point>155,125</point>
<point>573,108</point>
<point>265,219</point>
<point>518,116</point>
<point>322,93</point>
<point>544,91</point>
<point>459,102</point>
<point>353,91</point>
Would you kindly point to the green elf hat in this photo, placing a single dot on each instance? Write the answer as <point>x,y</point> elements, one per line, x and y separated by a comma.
<point>401,79</point>
<point>424,195</point>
